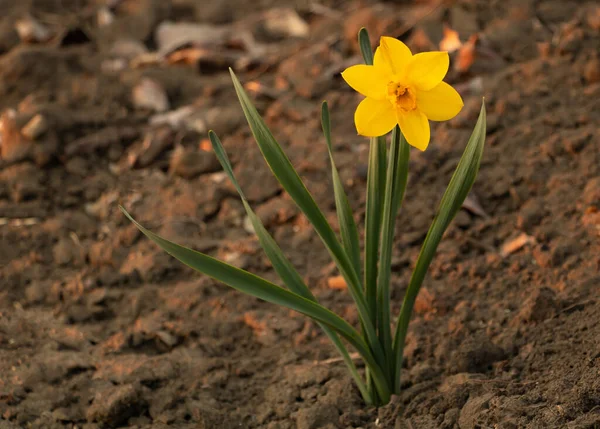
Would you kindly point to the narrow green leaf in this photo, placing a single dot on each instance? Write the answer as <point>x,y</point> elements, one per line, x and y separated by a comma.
<point>371,236</point>
<point>395,185</point>
<point>290,181</point>
<point>364,42</point>
<point>258,287</point>
<point>286,271</point>
<point>348,229</point>
<point>462,180</point>
<point>373,213</point>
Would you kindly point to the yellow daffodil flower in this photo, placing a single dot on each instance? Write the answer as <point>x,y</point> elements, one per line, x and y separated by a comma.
<point>404,89</point>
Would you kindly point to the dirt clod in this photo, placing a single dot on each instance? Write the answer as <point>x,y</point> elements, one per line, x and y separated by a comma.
<point>539,306</point>
<point>113,406</point>
<point>316,417</point>
<point>475,355</point>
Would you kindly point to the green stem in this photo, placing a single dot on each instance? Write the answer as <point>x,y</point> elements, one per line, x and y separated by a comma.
<point>397,175</point>
<point>375,182</point>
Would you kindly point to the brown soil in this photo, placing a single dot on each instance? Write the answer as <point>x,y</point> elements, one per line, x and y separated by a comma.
<point>99,328</point>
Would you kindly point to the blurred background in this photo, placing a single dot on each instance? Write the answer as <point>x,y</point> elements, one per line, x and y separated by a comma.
<point>107,102</point>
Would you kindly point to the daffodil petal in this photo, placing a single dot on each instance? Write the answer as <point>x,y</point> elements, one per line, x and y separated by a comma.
<point>415,127</point>
<point>367,80</point>
<point>374,118</point>
<point>427,69</point>
<point>441,103</point>
<point>392,55</point>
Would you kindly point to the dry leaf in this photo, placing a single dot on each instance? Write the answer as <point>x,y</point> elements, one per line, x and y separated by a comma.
<point>205,145</point>
<point>451,42</point>
<point>466,55</point>
<point>285,22</point>
<point>424,302</point>
<point>259,327</point>
<point>13,145</point>
<point>337,283</point>
<point>37,126</point>
<point>32,31</point>
<point>472,205</point>
<point>514,244</point>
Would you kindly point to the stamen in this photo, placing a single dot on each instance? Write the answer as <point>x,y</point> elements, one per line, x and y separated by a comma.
<point>401,96</point>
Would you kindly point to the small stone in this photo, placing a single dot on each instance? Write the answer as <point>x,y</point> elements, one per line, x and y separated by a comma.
<point>425,302</point>
<point>13,145</point>
<point>208,417</point>
<point>104,17</point>
<point>114,405</point>
<point>575,140</point>
<point>462,220</point>
<point>591,192</point>
<point>571,38</point>
<point>189,164</point>
<point>307,375</point>
<point>67,251</point>
<point>35,128</point>
<point>101,254</point>
<point>561,249</point>
<point>260,185</point>
<point>475,355</point>
<point>279,23</point>
<point>530,215</point>
<point>128,49</point>
<point>155,142</point>
<point>542,256</point>
<point>27,188</point>
<point>150,95</point>
<point>32,31</point>
<point>276,211</point>
<point>591,70</point>
<point>469,414</point>
<point>36,292</point>
<point>450,418</point>
<point>224,119</point>
<point>70,338</point>
<point>316,416</point>
<point>541,305</point>
<point>593,18</point>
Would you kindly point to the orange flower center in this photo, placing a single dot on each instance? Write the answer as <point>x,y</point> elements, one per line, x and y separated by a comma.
<point>401,96</point>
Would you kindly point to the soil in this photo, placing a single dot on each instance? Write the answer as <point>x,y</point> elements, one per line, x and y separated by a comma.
<point>101,329</point>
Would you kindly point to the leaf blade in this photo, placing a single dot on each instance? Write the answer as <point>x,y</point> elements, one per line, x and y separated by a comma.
<point>251,284</point>
<point>348,228</point>
<point>460,184</point>
<point>286,271</point>
<point>258,287</point>
<point>397,175</point>
<point>289,179</point>
<point>364,43</point>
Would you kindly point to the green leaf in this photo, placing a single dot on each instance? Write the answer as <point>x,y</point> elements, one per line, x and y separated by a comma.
<point>258,287</point>
<point>462,180</point>
<point>364,43</point>
<point>373,213</point>
<point>290,181</point>
<point>348,229</point>
<point>286,271</point>
<point>395,185</point>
